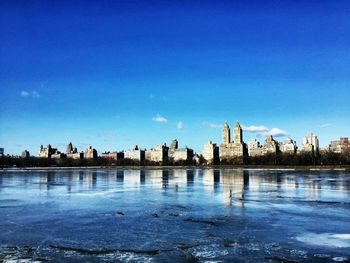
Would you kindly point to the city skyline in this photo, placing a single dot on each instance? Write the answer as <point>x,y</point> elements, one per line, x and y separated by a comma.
<point>116,74</point>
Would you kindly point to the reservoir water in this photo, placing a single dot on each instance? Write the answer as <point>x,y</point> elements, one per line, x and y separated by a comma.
<point>177,215</point>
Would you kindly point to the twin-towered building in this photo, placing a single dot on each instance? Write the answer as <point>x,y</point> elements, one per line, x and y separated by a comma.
<point>236,149</point>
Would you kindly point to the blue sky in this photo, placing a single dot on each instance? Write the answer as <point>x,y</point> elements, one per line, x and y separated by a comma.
<point>117,73</point>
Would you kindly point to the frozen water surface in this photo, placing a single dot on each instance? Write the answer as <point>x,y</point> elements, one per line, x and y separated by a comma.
<point>177,215</point>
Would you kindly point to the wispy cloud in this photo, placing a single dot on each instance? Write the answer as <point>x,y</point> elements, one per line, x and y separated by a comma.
<point>33,94</point>
<point>159,118</point>
<point>24,93</point>
<point>255,129</point>
<point>180,125</point>
<point>325,125</point>
<point>263,130</point>
<point>212,125</point>
<point>276,132</point>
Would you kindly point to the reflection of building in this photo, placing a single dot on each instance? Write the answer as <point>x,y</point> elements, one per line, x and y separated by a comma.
<point>340,146</point>
<point>90,153</point>
<point>211,152</point>
<point>289,146</point>
<point>310,144</point>
<point>157,154</point>
<point>25,154</point>
<point>135,154</point>
<point>232,183</point>
<point>73,152</point>
<point>235,149</point>
<point>46,152</point>
<point>113,155</point>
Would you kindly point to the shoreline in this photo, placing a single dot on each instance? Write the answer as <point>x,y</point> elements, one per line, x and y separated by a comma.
<point>156,167</point>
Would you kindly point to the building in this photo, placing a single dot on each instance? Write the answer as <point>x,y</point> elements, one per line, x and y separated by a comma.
<point>57,155</point>
<point>157,154</point>
<point>135,154</point>
<point>340,146</point>
<point>196,158</point>
<point>179,154</point>
<point>310,144</point>
<point>173,147</point>
<point>235,149</point>
<point>72,152</point>
<point>289,146</point>
<point>255,149</point>
<point>25,154</point>
<point>46,152</point>
<point>113,155</point>
<point>270,145</point>
<point>183,154</point>
<point>90,153</point>
<point>211,152</point>
<point>2,152</point>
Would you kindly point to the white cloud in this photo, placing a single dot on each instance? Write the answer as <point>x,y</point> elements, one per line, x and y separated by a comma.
<point>33,94</point>
<point>258,129</point>
<point>180,125</point>
<point>212,125</point>
<point>276,132</point>
<point>265,131</point>
<point>159,118</point>
<point>24,93</point>
<point>325,125</point>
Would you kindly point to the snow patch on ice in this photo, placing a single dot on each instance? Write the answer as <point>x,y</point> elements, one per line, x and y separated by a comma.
<point>326,239</point>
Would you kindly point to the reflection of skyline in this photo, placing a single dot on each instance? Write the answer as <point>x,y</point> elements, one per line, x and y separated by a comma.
<point>230,185</point>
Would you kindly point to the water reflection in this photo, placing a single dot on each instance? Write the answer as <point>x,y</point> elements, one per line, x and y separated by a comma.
<point>231,185</point>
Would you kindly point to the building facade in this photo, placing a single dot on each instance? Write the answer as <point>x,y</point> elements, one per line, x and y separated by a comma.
<point>135,154</point>
<point>270,145</point>
<point>25,154</point>
<point>72,152</point>
<point>254,148</point>
<point>310,144</point>
<point>211,153</point>
<point>90,153</point>
<point>113,155</point>
<point>289,146</point>
<point>340,146</point>
<point>58,155</point>
<point>157,154</point>
<point>235,149</point>
<point>183,154</point>
<point>46,152</point>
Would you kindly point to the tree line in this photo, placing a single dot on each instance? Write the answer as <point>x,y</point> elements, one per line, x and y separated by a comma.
<point>279,159</point>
